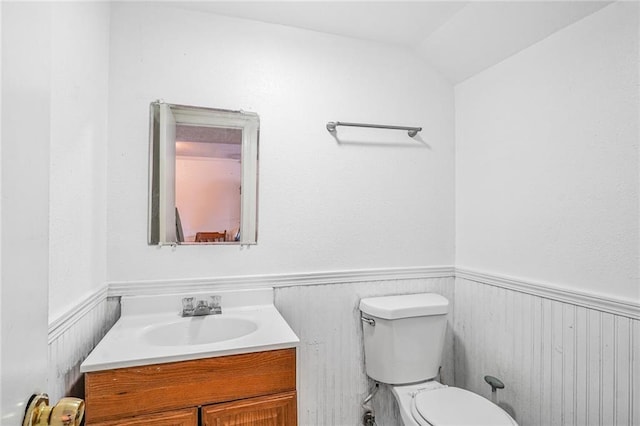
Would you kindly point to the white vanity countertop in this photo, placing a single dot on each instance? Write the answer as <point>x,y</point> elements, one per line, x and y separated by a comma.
<point>145,333</point>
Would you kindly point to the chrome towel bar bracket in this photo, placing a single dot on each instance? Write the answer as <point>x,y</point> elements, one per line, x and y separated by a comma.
<point>412,131</point>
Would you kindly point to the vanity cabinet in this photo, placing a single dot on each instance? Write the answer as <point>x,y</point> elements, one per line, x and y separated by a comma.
<point>253,389</point>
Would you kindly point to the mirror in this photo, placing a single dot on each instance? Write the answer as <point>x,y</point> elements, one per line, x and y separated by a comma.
<point>203,175</point>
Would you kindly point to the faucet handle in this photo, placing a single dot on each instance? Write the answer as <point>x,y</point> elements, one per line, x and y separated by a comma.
<point>216,308</point>
<point>187,302</point>
<point>187,305</point>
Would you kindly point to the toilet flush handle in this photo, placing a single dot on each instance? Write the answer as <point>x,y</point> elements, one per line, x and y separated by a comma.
<point>495,384</point>
<point>369,321</point>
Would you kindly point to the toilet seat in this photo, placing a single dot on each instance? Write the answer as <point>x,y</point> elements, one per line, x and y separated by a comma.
<point>451,406</point>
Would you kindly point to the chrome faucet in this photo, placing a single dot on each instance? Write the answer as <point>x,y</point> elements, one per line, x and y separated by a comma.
<point>201,307</point>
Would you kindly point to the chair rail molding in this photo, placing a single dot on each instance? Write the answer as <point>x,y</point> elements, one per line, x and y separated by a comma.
<point>600,302</point>
<point>64,322</point>
<point>144,287</point>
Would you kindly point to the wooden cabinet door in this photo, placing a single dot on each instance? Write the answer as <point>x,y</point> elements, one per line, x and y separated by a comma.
<point>272,410</point>
<point>187,417</point>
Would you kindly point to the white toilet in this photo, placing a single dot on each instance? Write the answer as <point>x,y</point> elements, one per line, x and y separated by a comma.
<point>403,342</point>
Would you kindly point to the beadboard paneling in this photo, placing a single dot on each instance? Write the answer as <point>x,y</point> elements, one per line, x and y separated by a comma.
<point>331,373</point>
<point>69,348</point>
<point>562,364</point>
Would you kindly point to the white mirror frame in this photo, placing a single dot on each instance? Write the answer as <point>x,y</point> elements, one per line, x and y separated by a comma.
<point>163,119</point>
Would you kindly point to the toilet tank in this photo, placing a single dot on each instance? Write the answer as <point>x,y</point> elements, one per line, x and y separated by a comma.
<point>404,342</point>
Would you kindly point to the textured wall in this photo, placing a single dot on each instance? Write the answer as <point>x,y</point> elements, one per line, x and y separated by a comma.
<point>78,152</point>
<point>375,199</point>
<point>24,179</point>
<point>562,364</point>
<point>54,97</point>
<point>547,160</point>
<point>547,191</point>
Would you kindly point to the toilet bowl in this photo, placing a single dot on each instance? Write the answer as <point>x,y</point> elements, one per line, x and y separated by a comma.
<point>433,404</point>
<point>403,341</point>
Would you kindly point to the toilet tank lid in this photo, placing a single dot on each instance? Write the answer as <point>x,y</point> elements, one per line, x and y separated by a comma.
<point>405,305</point>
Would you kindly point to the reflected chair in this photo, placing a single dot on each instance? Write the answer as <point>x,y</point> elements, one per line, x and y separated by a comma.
<point>211,237</point>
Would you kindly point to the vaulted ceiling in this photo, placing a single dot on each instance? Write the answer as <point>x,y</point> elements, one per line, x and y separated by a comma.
<point>458,38</point>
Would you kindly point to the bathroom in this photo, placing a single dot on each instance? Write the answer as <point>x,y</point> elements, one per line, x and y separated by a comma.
<point>518,201</point>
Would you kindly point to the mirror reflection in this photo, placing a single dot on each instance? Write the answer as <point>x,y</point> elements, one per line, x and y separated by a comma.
<point>203,175</point>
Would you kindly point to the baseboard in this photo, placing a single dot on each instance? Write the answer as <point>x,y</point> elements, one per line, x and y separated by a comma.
<point>604,303</point>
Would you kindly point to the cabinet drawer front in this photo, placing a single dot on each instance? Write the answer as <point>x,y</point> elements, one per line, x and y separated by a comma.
<point>272,410</point>
<point>133,391</point>
<point>188,417</point>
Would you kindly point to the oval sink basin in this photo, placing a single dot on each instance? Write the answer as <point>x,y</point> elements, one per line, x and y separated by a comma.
<point>198,331</point>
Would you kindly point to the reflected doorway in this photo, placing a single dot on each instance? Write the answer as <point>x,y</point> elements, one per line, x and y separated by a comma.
<point>208,183</point>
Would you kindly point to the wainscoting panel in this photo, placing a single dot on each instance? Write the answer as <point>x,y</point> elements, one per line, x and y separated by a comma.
<point>565,360</point>
<point>73,342</point>
<point>331,376</point>
<point>562,364</point>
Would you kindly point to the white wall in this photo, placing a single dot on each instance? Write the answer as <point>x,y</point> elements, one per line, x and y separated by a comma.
<point>351,205</point>
<point>1,102</point>
<point>26,66</point>
<point>78,156</point>
<point>54,113</point>
<point>547,160</point>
